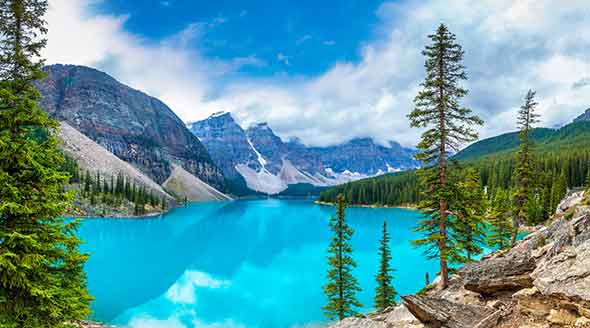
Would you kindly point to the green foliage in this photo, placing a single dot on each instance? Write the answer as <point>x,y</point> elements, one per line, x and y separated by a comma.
<point>342,285</point>
<point>525,198</point>
<point>97,189</point>
<point>390,189</point>
<point>465,225</point>
<point>499,220</point>
<point>42,282</point>
<point>448,125</point>
<point>384,292</point>
<point>468,206</point>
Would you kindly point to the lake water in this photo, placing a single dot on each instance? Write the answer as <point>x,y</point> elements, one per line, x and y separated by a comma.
<point>252,263</point>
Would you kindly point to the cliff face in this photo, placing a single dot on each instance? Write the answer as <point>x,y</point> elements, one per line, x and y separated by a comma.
<point>135,127</point>
<point>544,281</point>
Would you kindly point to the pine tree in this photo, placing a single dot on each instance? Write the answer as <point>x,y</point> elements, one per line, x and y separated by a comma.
<point>560,189</point>
<point>342,285</point>
<point>42,281</point>
<point>468,207</point>
<point>500,224</point>
<point>437,106</point>
<point>384,292</point>
<point>524,170</point>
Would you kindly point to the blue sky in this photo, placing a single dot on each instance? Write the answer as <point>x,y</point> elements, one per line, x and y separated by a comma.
<point>292,37</point>
<point>328,73</point>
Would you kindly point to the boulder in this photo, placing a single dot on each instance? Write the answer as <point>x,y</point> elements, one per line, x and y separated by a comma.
<point>503,273</point>
<point>566,276</point>
<point>397,317</point>
<point>436,312</point>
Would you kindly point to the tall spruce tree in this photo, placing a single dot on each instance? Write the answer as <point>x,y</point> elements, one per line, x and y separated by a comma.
<point>524,170</point>
<point>438,108</point>
<point>384,292</point>
<point>342,285</point>
<point>42,282</point>
<point>468,206</point>
<point>500,224</point>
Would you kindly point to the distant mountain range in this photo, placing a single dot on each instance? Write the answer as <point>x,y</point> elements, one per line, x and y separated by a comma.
<point>107,119</point>
<point>267,164</point>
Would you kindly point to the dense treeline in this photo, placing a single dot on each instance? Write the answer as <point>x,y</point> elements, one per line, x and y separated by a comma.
<point>496,173</point>
<point>390,190</point>
<point>110,190</point>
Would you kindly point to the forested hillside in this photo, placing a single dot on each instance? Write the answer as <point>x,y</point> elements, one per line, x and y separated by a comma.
<point>565,150</point>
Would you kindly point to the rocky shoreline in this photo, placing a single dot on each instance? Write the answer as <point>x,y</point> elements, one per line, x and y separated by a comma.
<point>544,281</point>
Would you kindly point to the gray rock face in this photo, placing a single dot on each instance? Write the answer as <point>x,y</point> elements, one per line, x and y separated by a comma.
<point>365,156</point>
<point>132,125</point>
<point>510,272</point>
<point>269,164</point>
<point>583,117</point>
<point>227,143</point>
<point>438,312</point>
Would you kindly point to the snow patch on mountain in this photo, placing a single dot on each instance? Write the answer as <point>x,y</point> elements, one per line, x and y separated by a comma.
<point>262,180</point>
<point>259,156</point>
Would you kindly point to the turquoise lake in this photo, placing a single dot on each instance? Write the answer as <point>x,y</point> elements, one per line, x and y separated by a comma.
<point>251,263</point>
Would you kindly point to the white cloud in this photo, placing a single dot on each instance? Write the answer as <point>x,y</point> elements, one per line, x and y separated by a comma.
<point>510,46</point>
<point>303,39</point>
<point>184,290</point>
<point>283,58</point>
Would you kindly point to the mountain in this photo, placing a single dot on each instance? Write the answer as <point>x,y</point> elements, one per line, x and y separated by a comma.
<point>566,148</point>
<point>502,143</point>
<point>92,157</point>
<point>572,135</point>
<point>135,127</point>
<point>584,116</point>
<point>269,165</point>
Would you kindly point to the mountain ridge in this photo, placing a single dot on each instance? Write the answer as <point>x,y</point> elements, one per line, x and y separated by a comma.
<point>269,165</point>
<point>134,126</point>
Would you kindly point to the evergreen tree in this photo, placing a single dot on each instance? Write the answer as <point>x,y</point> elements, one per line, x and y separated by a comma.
<point>524,171</point>
<point>438,107</point>
<point>559,189</point>
<point>42,281</point>
<point>384,292</point>
<point>500,223</point>
<point>468,206</point>
<point>87,183</point>
<point>342,285</point>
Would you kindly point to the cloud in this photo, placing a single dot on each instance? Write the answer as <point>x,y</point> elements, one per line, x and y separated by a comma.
<point>581,83</point>
<point>510,46</point>
<point>329,42</point>
<point>303,39</point>
<point>184,290</point>
<point>283,59</point>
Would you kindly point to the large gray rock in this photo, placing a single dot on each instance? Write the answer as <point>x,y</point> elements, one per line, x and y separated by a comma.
<point>509,272</point>
<point>397,317</point>
<point>437,312</point>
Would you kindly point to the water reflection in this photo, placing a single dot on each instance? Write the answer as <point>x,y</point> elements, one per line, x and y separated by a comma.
<point>245,263</point>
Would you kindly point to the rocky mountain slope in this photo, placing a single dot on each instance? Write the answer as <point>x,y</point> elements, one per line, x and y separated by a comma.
<point>92,157</point>
<point>544,281</point>
<point>183,184</point>
<point>135,127</point>
<point>268,164</point>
